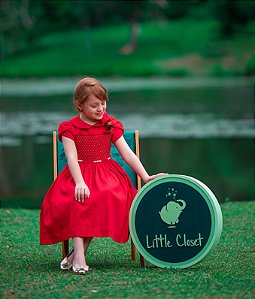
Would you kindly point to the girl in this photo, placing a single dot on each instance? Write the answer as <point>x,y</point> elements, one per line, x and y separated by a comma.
<point>92,196</point>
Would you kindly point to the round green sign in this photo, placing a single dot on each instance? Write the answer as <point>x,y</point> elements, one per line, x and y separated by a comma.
<point>175,221</point>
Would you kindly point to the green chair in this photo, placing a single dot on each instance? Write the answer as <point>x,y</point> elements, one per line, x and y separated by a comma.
<point>59,161</point>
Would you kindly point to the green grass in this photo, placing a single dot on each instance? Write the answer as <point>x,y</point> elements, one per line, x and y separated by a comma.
<point>29,270</point>
<point>185,47</point>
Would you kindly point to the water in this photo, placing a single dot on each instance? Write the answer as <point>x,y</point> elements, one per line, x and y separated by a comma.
<point>187,127</point>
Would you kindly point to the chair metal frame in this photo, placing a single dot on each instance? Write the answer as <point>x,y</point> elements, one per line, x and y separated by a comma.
<point>65,244</point>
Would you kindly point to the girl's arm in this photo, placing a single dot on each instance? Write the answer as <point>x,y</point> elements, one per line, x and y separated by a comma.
<point>132,160</point>
<point>81,191</point>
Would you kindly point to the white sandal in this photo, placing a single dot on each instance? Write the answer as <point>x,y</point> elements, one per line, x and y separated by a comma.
<point>80,270</point>
<point>65,265</point>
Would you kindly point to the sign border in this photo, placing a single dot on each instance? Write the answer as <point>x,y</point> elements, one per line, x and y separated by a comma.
<point>213,205</point>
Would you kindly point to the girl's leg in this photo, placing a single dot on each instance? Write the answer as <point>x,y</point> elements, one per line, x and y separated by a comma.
<point>86,242</point>
<point>80,246</point>
<point>78,256</point>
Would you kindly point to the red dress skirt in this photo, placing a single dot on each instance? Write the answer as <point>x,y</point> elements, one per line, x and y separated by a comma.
<point>106,212</point>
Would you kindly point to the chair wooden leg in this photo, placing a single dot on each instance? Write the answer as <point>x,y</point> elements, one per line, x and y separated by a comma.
<point>142,261</point>
<point>65,248</point>
<point>133,254</point>
<point>133,251</point>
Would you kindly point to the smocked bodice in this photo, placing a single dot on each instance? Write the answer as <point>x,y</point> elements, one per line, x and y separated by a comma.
<point>93,147</point>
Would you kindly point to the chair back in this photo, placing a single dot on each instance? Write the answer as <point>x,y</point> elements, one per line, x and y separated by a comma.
<point>132,139</point>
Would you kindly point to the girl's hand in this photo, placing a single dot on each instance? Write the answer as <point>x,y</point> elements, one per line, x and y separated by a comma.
<point>154,176</point>
<point>81,192</point>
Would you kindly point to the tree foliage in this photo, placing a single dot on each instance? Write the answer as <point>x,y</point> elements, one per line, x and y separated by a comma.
<point>22,21</point>
<point>232,14</point>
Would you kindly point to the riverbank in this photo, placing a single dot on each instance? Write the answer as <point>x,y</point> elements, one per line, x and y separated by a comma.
<point>176,48</point>
<point>59,86</point>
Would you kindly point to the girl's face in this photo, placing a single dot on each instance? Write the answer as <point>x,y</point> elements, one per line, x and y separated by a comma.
<point>92,110</point>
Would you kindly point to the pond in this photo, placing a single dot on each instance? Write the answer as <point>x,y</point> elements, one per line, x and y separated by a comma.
<point>201,128</point>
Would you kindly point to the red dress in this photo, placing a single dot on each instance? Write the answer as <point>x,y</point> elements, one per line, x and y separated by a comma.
<point>105,213</point>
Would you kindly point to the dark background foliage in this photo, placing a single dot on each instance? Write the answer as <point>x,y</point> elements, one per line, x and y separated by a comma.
<point>22,21</point>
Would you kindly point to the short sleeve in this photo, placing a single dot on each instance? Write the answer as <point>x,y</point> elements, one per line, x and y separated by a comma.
<point>64,129</point>
<point>117,130</point>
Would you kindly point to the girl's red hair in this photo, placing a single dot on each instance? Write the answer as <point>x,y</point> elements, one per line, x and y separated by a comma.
<point>86,87</point>
<point>90,86</point>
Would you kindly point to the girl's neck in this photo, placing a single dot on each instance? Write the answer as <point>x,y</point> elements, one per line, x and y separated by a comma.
<point>87,121</point>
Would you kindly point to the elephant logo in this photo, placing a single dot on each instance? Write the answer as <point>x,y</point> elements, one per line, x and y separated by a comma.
<point>171,211</point>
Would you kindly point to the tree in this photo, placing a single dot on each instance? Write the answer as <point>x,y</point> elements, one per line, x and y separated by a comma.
<point>232,14</point>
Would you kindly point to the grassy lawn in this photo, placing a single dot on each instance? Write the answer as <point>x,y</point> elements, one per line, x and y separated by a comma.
<point>185,47</point>
<point>32,271</point>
